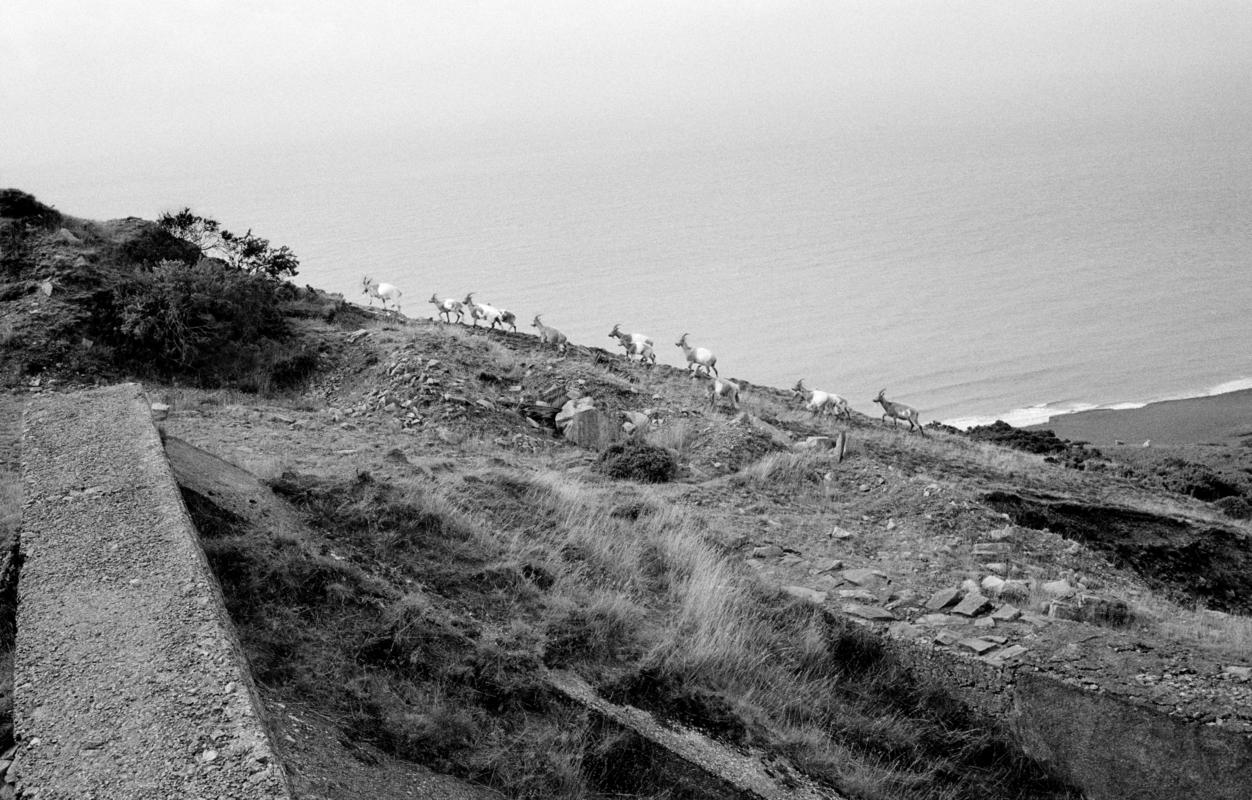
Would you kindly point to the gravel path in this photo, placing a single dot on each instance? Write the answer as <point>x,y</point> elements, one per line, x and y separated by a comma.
<point>128,677</point>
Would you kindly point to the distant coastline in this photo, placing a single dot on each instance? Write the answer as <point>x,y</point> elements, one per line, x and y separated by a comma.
<point>1223,418</point>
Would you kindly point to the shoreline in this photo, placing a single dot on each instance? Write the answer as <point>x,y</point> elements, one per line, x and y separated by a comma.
<point>1222,419</point>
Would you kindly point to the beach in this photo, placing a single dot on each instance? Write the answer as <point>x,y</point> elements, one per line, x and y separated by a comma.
<point>1218,419</point>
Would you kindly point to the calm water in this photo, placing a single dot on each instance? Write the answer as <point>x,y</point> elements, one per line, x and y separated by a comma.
<point>973,275</point>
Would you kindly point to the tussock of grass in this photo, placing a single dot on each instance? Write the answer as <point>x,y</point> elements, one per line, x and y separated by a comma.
<point>786,468</point>
<point>678,435</point>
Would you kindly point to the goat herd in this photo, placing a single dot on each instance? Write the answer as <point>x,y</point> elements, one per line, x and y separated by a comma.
<point>637,344</point>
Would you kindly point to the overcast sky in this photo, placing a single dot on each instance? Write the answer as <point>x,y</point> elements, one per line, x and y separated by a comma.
<point>124,75</point>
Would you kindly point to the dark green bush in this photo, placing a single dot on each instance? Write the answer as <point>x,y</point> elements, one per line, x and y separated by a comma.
<point>1187,477</point>
<point>1234,507</point>
<point>208,322</point>
<point>637,460</point>
<point>16,204</point>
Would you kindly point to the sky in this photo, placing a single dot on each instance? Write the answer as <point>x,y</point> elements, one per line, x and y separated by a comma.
<point>125,77</point>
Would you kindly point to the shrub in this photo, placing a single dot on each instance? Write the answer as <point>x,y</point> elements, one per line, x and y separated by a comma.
<point>639,461</point>
<point>16,204</point>
<point>209,322</point>
<point>1234,507</point>
<point>1197,480</point>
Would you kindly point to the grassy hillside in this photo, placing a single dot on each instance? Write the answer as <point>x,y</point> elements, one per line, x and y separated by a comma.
<point>421,544</point>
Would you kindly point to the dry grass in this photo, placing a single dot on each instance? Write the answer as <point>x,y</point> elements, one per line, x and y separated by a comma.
<point>679,435</point>
<point>1214,632</point>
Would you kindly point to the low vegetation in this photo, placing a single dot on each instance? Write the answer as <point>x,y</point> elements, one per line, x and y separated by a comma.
<point>423,622</point>
<point>182,300</point>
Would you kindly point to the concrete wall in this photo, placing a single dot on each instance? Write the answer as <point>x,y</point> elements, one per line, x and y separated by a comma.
<point>129,681</point>
<point>1109,747</point>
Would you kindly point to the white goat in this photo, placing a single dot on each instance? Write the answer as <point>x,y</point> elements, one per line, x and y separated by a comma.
<point>447,307</point>
<point>819,402</point>
<point>508,318</point>
<point>698,357</point>
<point>383,291</point>
<point>550,335</point>
<point>898,411</point>
<point>635,344</point>
<point>485,312</point>
<point>720,388</point>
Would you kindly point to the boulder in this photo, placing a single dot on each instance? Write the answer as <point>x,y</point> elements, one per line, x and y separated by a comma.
<point>571,409</point>
<point>592,429</point>
<point>636,422</point>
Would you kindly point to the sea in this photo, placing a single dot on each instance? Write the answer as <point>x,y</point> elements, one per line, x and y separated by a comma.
<point>974,271</point>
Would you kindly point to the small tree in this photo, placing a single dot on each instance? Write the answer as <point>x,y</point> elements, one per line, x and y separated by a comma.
<point>249,252</point>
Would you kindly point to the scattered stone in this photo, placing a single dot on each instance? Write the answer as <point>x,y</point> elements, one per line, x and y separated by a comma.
<point>984,622</point>
<point>767,551</point>
<point>979,646</point>
<point>943,598</point>
<point>992,548</point>
<point>358,335</point>
<point>1006,613</point>
<point>805,593</point>
<point>636,422</point>
<point>1012,651</point>
<point>902,630</point>
<point>946,638</point>
<point>1016,591</point>
<point>972,605</point>
<point>1038,620</point>
<point>992,584</point>
<point>1059,609</point>
<point>891,524</point>
<point>160,411</point>
<point>864,577</point>
<point>1000,534</point>
<point>1238,673</point>
<point>841,533</point>
<point>940,619</point>
<point>863,595</point>
<point>875,613</point>
<point>997,567</point>
<point>827,583</point>
<point>1059,589</point>
<point>826,565</point>
<point>970,586</point>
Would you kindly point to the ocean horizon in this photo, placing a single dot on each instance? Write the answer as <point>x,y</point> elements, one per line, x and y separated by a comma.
<point>1011,275</point>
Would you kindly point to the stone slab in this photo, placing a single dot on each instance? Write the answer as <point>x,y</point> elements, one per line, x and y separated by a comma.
<point>129,680</point>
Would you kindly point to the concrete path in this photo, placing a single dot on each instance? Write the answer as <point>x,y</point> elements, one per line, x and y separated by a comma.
<point>129,682</point>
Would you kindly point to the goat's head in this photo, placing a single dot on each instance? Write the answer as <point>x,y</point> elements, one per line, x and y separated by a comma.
<point>536,323</point>
<point>617,329</point>
<point>880,398</point>
<point>682,341</point>
<point>434,298</point>
<point>469,299</point>
<point>799,390</point>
